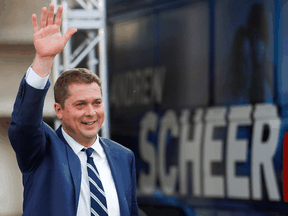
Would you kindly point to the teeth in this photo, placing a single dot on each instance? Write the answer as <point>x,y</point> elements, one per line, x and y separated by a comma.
<point>87,123</point>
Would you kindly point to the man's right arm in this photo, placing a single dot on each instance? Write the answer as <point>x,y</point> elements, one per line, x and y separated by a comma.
<point>26,131</point>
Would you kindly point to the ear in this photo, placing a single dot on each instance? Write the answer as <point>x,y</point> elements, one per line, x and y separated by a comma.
<point>58,110</point>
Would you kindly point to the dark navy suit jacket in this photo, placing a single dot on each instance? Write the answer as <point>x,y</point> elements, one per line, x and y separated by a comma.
<point>51,170</point>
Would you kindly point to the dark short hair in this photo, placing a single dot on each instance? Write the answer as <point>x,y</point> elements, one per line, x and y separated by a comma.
<point>73,76</point>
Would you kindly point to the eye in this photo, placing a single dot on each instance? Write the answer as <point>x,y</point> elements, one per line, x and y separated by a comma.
<point>97,102</point>
<point>80,104</point>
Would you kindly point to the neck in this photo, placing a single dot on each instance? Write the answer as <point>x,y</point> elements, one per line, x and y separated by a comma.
<point>87,142</point>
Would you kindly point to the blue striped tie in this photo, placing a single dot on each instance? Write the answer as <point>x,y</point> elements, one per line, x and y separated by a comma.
<point>98,199</point>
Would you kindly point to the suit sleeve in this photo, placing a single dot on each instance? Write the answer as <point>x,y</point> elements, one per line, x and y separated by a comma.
<point>134,204</point>
<point>26,129</point>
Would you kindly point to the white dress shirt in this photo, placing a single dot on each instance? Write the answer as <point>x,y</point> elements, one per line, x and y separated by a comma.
<point>99,158</point>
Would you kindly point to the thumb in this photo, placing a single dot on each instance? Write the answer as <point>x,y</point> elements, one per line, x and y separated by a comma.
<point>69,34</point>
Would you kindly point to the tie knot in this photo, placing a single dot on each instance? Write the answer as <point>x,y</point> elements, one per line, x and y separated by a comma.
<point>89,152</point>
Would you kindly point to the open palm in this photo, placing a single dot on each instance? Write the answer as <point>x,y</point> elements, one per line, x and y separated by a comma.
<point>48,40</point>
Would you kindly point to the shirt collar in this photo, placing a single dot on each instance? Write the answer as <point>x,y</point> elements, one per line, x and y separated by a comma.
<point>77,147</point>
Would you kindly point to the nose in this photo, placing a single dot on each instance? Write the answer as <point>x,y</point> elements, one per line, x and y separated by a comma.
<point>90,110</point>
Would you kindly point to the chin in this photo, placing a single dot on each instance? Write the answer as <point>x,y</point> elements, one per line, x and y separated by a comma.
<point>90,135</point>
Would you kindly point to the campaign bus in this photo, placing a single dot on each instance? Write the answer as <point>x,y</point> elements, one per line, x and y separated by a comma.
<point>198,91</point>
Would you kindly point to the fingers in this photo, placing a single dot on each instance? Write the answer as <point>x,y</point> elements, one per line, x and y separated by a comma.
<point>34,23</point>
<point>58,17</point>
<point>50,16</point>
<point>69,34</point>
<point>48,19</point>
<point>43,18</point>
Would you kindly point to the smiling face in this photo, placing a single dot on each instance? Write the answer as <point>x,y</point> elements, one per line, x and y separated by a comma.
<point>83,113</point>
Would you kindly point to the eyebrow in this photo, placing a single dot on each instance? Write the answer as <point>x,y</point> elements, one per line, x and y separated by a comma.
<point>84,101</point>
<point>80,101</point>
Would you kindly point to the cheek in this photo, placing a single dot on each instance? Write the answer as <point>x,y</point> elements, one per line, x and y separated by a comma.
<point>72,117</point>
<point>102,113</point>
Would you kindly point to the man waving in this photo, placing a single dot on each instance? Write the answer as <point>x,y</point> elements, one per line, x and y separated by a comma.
<point>70,171</point>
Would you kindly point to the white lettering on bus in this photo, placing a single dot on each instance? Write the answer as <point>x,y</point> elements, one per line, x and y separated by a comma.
<point>213,185</point>
<point>189,150</point>
<point>167,180</point>
<point>263,151</point>
<point>147,152</point>
<point>237,187</point>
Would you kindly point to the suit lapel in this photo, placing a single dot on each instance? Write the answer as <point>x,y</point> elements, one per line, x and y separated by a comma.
<point>112,157</point>
<point>74,166</point>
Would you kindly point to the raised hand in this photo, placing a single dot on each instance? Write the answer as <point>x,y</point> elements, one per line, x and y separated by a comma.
<point>48,40</point>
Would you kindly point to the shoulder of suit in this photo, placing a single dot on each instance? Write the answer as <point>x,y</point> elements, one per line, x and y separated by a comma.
<point>116,145</point>
<point>49,132</point>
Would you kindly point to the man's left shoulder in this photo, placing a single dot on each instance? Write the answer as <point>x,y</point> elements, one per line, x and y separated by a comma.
<point>116,146</point>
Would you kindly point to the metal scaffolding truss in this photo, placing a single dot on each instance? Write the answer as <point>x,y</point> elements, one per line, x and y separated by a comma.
<point>88,16</point>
